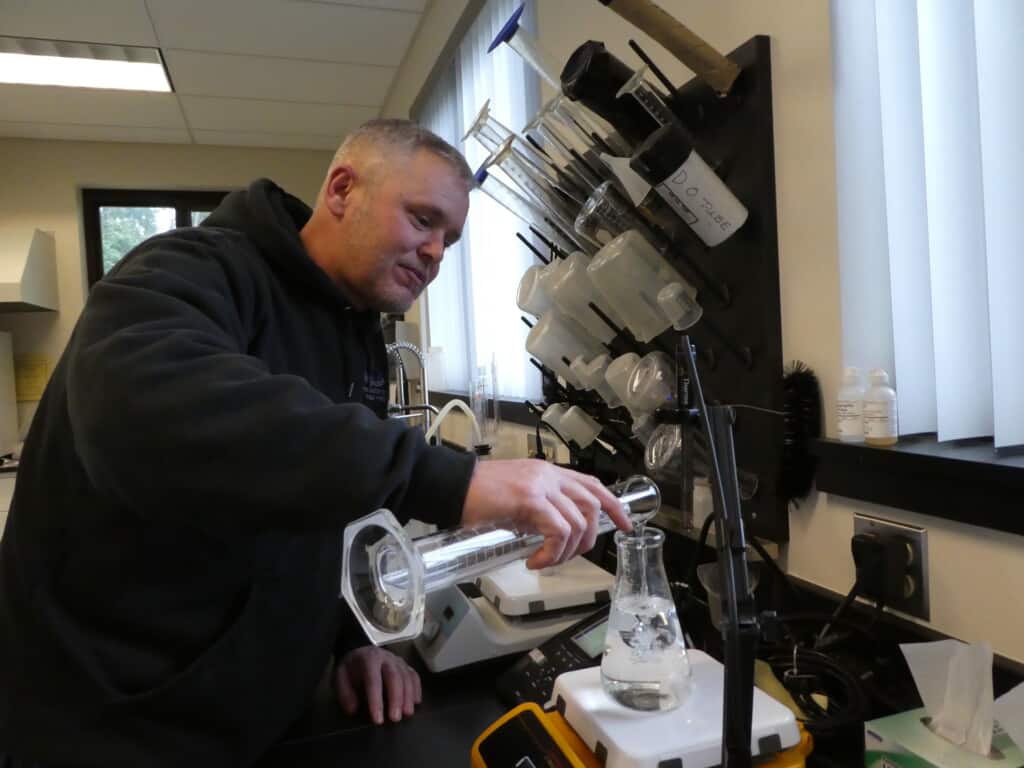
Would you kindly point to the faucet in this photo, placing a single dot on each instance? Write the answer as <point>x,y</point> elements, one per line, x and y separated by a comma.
<point>402,408</point>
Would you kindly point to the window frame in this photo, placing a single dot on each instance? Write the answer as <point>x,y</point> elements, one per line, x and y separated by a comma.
<point>184,203</point>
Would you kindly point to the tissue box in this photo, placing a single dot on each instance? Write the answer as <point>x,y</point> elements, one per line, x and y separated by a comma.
<point>904,741</point>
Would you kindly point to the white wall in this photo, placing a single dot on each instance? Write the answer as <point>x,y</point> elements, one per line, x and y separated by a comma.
<point>976,575</point>
<point>41,189</point>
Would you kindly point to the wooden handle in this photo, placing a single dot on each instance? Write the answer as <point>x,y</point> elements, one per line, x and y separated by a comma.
<point>708,64</point>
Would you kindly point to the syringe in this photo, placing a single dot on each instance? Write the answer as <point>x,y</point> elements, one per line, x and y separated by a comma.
<point>386,575</point>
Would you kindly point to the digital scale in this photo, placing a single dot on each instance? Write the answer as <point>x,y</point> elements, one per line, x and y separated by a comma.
<point>516,610</point>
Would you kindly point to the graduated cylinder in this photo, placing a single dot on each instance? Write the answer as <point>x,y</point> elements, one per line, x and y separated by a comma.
<point>386,575</point>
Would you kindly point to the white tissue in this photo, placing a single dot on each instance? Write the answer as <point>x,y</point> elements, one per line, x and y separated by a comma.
<point>954,680</point>
<point>1008,709</point>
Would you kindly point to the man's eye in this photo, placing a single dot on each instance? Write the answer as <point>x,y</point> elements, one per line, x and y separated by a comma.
<point>423,221</point>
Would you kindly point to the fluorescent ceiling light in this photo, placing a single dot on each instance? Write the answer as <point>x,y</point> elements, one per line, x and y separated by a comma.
<point>26,61</point>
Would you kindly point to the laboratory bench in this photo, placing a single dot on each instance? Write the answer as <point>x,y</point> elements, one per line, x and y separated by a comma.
<point>459,705</point>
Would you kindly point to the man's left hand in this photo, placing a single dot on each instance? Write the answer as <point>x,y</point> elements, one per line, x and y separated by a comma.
<point>378,675</point>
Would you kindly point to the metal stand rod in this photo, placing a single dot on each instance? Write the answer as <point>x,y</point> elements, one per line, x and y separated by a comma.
<point>740,627</point>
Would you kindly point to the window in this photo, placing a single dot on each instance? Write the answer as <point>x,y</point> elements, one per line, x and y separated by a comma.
<point>469,311</point>
<point>116,220</point>
<point>928,166</point>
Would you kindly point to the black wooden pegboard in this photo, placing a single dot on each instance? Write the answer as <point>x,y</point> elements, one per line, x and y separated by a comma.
<point>734,134</point>
<point>739,338</point>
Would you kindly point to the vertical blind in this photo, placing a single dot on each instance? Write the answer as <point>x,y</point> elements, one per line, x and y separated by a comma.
<point>929,169</point>
<point>470,308</point>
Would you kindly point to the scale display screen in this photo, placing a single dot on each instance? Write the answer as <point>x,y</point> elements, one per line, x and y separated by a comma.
<point>590,639</point>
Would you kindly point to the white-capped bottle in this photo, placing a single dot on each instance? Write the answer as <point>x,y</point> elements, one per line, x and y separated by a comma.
<point>850,405</point>
<point>880,418</point>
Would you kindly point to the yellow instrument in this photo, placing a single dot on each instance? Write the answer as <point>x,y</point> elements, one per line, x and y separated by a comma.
<point>529,737</point>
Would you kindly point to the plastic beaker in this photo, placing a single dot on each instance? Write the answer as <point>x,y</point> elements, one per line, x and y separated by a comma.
<point>592,376</point>
<point>630,273</point>
<point>651,384</point>
<point>663,458</point>
<point>552,416</point>
<point>556,338</point>
<point>710,578</point>
<point>578,426</point>
<point>531,296</point>
<point>618,373</point>
<point>572,289</point>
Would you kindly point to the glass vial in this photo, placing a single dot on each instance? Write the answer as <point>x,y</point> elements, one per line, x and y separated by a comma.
<point>644,664</point>
<point>880,424</point>
<point>850,407</point>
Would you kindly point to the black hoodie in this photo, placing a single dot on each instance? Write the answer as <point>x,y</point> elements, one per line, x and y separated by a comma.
<point>169,572</point>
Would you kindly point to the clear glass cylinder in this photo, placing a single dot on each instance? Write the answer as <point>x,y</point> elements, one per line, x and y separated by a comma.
<point>386,575</point>
<point>527,210</point>
<point>644,665</point>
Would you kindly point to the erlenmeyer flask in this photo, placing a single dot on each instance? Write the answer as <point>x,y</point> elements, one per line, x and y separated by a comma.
<point>644,665</point>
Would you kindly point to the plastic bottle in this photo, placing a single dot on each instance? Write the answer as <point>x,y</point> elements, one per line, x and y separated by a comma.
<point>668,161</point>
<point>849,406</point>
<point>880,421</point>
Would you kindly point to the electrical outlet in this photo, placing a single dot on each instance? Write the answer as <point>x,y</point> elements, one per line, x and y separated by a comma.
<point>914,600</point>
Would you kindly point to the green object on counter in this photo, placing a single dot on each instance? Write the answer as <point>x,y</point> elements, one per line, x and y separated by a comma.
<point>905,741</point>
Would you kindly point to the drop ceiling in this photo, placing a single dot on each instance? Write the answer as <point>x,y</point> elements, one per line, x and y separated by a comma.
<point>270,73</point>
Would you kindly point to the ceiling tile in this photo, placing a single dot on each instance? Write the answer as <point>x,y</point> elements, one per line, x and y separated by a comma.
<point>253,77</point>
<point>318,31</point>
<point>89,106</point>
<point>398,5</point>
<point>255,139</point>
<point>209,113</point>
<point>94,133</point>
<point>121,22</point>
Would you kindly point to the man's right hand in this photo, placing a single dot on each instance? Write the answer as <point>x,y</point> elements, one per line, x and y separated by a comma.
<point>534,495</point>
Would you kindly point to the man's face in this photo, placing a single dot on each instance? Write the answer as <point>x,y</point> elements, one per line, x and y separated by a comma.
<point>396,224</point>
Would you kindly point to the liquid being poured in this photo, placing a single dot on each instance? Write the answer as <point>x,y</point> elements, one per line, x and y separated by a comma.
<point>638,530</point>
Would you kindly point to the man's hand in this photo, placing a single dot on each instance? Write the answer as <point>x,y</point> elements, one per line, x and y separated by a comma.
<point>538,496</point>
<point>373,671</point>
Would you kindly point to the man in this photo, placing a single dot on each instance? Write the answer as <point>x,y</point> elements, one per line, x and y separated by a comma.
<point>170,569</point>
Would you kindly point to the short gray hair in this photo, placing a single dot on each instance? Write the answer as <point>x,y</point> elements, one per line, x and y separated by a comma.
<point>406,135</point>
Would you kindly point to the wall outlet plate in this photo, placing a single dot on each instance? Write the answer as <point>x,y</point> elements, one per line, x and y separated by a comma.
<point>916,604</point>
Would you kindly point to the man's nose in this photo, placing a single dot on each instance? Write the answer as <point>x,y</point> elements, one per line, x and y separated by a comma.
<point>433,249</point>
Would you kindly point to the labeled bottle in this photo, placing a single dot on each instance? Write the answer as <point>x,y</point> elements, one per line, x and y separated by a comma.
<point>880,420</point>
<point>850,406</point>
<point>668,161</point>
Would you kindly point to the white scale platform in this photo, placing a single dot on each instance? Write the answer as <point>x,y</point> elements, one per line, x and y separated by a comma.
<point>508,617</point>
<point>692,732</point>
<point>517,591</point>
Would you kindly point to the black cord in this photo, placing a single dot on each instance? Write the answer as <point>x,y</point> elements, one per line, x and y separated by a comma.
<point>809,675</point>
<point>838,614</point>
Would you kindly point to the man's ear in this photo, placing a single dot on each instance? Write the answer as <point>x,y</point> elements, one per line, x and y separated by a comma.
<point>339,185</point>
